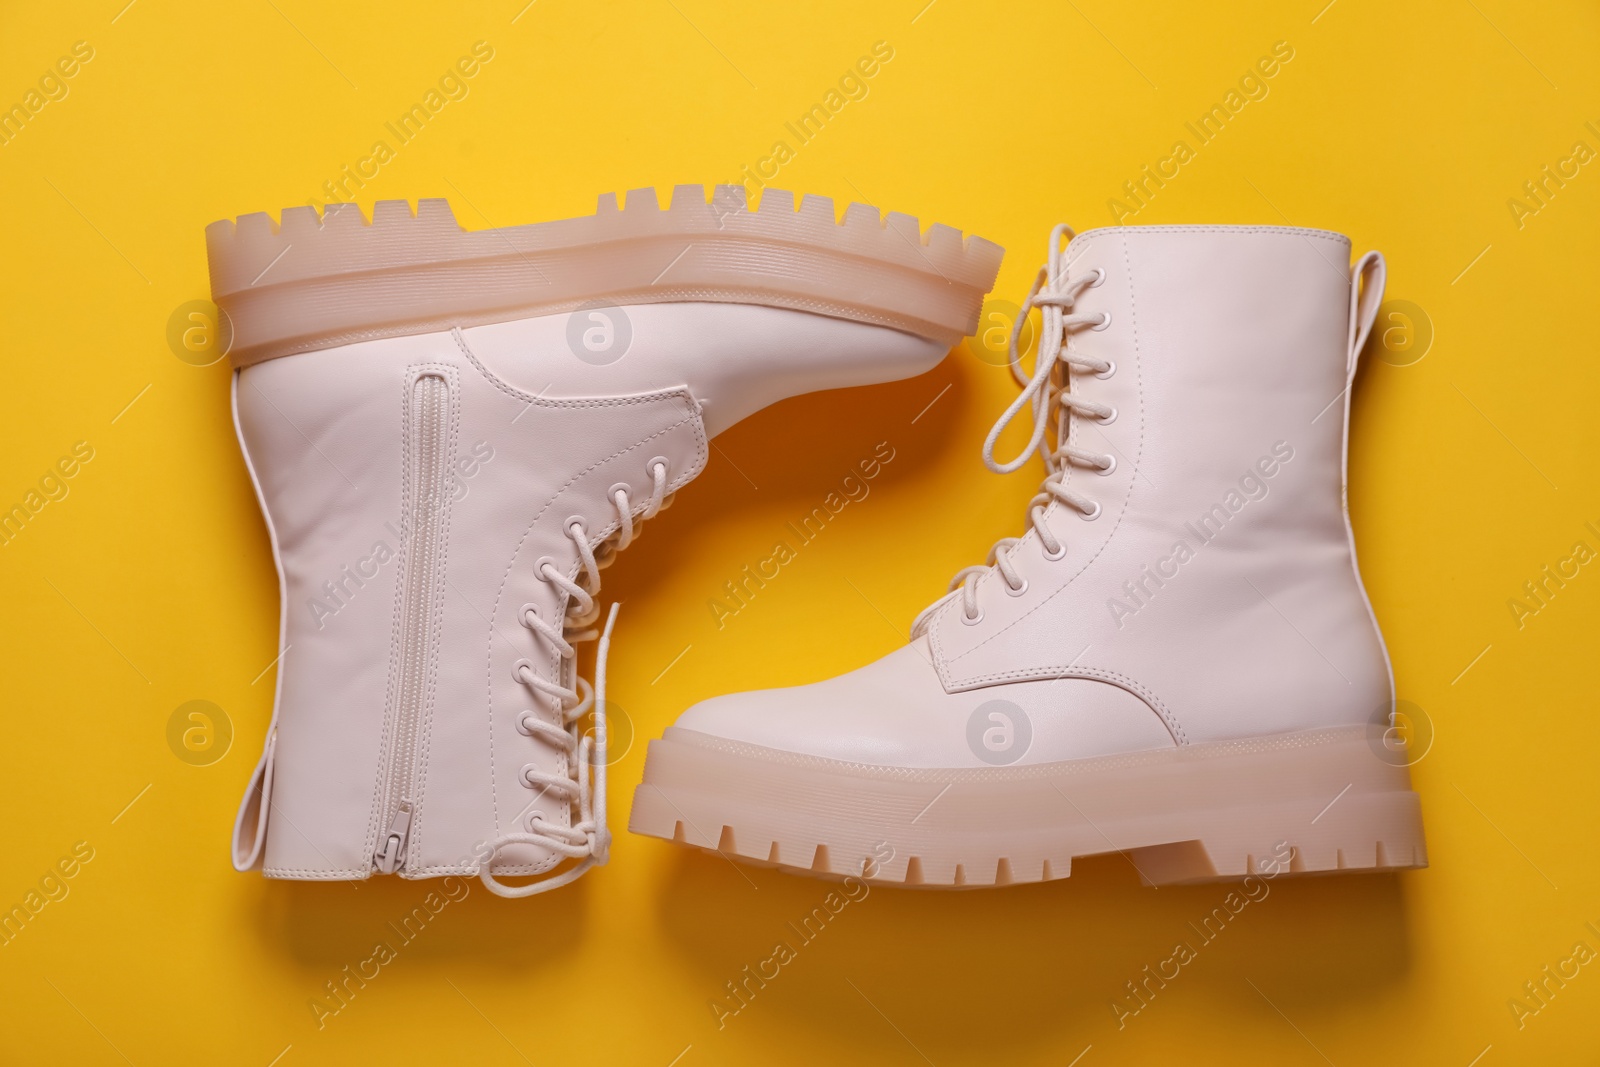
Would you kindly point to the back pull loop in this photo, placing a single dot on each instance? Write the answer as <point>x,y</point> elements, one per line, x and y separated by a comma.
<point>1367,279</point>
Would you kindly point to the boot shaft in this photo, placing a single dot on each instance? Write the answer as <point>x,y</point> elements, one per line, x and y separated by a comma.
<point>1216,579</point>
<point>412,496</point>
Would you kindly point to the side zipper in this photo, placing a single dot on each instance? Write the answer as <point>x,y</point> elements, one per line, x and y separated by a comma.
<point>427,473</point>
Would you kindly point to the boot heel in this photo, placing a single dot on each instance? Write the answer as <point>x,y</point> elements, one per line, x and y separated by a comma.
<point>1362,832</point>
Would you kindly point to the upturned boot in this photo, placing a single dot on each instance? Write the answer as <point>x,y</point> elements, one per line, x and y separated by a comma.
<point>452,433</point>
<point>1175,660</point>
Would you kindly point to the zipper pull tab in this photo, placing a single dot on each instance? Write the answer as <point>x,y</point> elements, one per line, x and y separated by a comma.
<point>393,850</point>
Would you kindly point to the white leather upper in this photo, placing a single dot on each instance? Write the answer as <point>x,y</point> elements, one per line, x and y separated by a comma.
<point>1233,350</point>
<point>323,435</point>
<point>894,713</point>
<point>709,345</point>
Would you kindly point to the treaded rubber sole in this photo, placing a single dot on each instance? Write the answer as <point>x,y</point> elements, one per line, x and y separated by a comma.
<point>304,282</point>
<point>1323,800</point>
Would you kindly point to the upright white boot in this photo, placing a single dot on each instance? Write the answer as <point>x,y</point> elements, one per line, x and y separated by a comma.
<point>451,434</point>
<point>1177,659</point>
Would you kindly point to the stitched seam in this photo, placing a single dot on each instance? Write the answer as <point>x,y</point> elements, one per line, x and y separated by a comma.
<point>391,709</point>
<point>452,379</point>
<point>465,871</point>
<point>562,402</point>
<point>903,322</point>
<point>1171,756</point>
<point>1122,512</point>
<point>554,659</point>
<point>1247,231</point>
<point>701,455</point>
<point>1167,716</point>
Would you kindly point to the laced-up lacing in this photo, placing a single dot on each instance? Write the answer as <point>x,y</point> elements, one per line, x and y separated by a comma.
<point>588,838</point>
<point>1054,291</point>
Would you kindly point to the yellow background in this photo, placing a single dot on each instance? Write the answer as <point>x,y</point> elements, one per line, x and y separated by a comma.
<point>151,583</point>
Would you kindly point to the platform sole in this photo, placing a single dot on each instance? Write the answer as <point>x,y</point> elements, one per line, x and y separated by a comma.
<point>1320,801</point>
<point>307,281</point>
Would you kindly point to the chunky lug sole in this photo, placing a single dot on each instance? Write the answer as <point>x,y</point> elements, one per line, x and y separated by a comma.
<point>1293,804</point>
<point>305,282</point>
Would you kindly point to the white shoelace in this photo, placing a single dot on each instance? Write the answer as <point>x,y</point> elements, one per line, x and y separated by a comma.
<point>1054,292</point>
<point>589,837</point>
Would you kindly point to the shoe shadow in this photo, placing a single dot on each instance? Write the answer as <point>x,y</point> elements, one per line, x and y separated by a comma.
<point>785,460</point>
<point>996,975</point>
<point>325,926</point>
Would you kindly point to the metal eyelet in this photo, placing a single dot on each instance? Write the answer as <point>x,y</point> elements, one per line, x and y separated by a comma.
<point>621,487</point>
<point>658,461</point>
<point>1108,468</point>
<point>576,520</point>
<point>1099,278</point>
<point>1105,320</point>
<point>524,612</point>
<point>520,666</point>
<point>1108,372</point>
<point>541,563</point>
<point>533,817</point>
<point>1110,417</point>
<point>971,620</point>
<point>1018,591</point>
<point>527,769</point>
<point>522,723</point>
<point>1052,557</point>
<point>1090,516</point>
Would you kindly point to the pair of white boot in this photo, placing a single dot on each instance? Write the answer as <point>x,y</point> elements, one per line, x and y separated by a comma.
<point>452,433</point>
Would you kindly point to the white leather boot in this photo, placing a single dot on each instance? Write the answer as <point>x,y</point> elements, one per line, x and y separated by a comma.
<point>451,434</point>
<point>1176,659</point>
